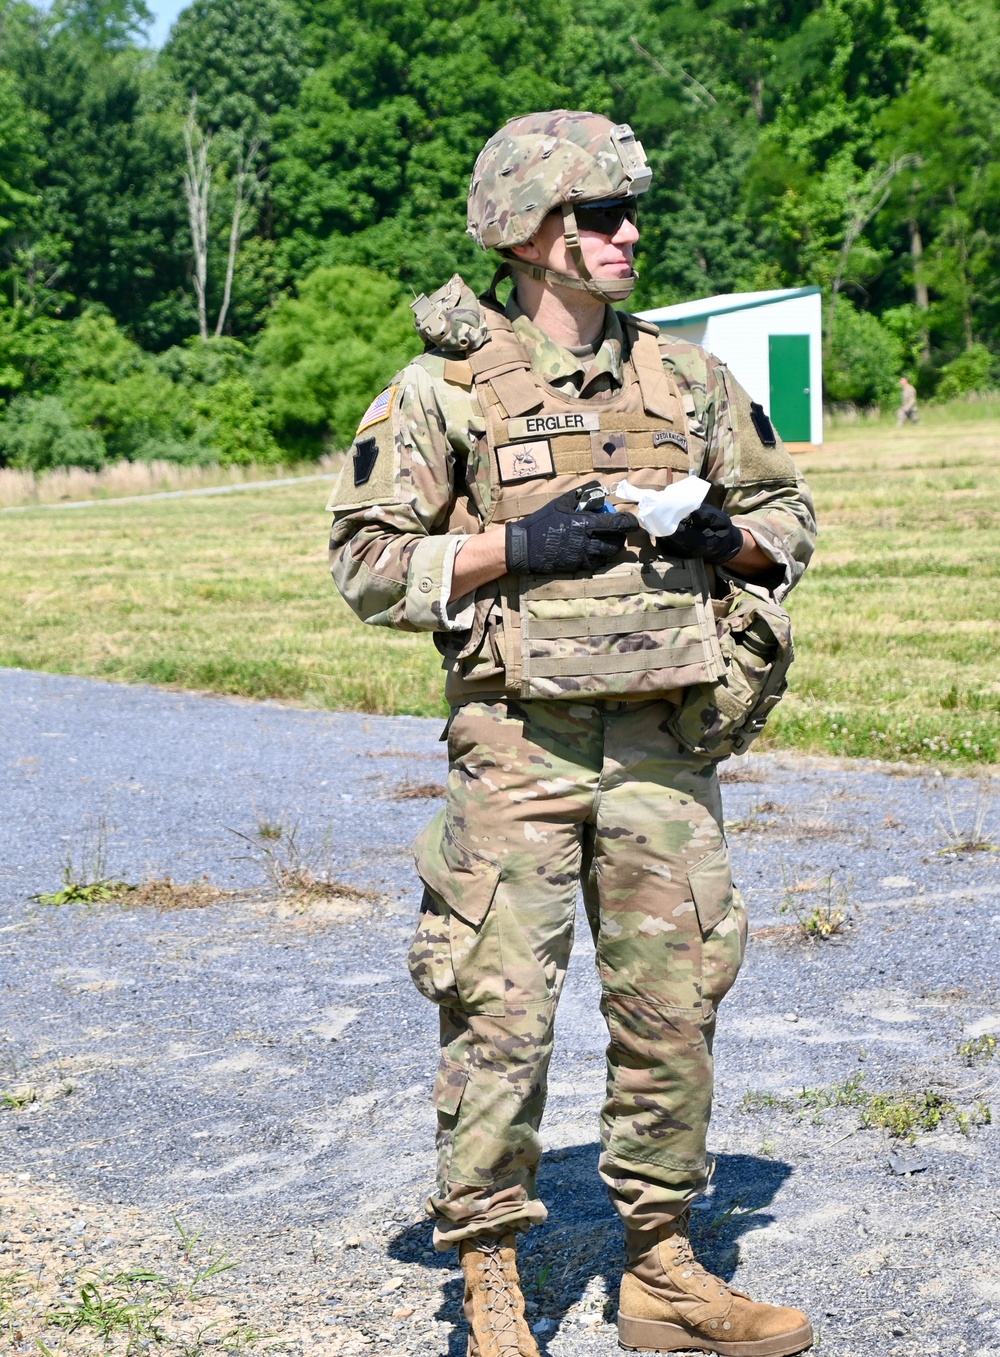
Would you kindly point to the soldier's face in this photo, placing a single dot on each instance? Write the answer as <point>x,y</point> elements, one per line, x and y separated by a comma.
<point>607,256</point>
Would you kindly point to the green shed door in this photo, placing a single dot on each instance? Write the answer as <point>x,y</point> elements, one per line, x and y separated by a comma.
<point>791,411</point>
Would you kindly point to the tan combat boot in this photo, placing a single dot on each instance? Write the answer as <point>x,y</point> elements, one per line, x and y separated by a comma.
<point>494,1305</point>
<point>669,1303</point>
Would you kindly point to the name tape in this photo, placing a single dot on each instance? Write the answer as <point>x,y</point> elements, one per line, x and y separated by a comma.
<point>533,425</point>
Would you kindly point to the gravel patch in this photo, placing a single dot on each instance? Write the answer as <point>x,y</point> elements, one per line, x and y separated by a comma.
<point>259,1067</point>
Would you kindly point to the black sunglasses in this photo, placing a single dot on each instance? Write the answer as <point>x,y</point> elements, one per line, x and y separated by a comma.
<point>606,215</point>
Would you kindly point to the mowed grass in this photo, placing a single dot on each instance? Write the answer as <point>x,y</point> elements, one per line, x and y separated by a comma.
<point>896,620</point>
<point>228,593</point>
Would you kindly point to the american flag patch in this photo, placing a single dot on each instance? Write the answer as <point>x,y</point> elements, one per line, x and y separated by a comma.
<point>380,408</point>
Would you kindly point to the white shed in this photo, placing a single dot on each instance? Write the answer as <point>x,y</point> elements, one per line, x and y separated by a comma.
<point>773,341</point>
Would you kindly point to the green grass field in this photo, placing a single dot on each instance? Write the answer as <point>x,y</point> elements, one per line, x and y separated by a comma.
<point>896,621</point>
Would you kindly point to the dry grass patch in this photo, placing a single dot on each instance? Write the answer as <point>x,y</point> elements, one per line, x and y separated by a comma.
<point>417,791</point>
<point>122,479</point>
<point>166,893</point>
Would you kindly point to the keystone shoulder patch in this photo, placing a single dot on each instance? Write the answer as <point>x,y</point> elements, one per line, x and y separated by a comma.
<point>380,408</point>
<point>365,457</point>
<point>764,427</point>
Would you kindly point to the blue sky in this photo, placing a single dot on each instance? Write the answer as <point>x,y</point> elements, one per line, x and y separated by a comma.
<point>164,13</point>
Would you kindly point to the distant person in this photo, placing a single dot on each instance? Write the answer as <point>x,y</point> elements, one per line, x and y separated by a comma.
<point>595,676</point>
<point>908,412</point>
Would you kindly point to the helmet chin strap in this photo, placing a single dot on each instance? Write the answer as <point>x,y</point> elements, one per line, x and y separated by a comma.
<point>608,289</point>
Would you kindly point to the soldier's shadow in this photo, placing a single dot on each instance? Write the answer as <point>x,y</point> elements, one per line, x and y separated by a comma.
<point>582,1239</point>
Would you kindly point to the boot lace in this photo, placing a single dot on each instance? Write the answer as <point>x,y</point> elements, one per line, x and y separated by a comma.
<point>690,1269</point>
<point>500,1300</point>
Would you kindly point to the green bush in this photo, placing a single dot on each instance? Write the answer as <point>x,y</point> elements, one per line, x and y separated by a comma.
<point>326,353</point>
<point>39,434</point>
<point>235,424</point>
<point>865,359</point>
<point>33,352</point>
<point>973,370</point>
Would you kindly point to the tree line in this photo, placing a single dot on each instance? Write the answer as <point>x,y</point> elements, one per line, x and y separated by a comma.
<point>206,252</point>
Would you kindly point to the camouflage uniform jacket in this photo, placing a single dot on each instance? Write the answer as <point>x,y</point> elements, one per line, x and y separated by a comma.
<point>411,491</point>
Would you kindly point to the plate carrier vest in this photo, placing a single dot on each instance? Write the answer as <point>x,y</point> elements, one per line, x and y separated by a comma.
<point>641,627</point>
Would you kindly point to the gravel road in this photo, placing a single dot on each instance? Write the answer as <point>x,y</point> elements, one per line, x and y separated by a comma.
<point>261,1071</point>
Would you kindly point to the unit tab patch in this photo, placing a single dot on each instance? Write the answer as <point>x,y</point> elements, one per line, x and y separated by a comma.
<point>533,425</point>
<point>380,408</point>
<point>524,461</point>
<point>661,436</point>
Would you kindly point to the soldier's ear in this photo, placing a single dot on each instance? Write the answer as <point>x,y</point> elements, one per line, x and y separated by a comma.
<point>529,251</point>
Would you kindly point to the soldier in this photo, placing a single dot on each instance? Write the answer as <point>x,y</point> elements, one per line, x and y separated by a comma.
<point>595,677</point>
<point>907,412</point>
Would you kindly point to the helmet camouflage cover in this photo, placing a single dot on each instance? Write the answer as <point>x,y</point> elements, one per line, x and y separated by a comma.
<point>543,161</point>
<point>540,161</point>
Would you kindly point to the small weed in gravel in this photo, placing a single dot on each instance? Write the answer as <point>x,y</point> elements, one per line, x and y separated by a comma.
<point>903,1115</point>
<point>759,1099</point>
<point>11,1286</point>
<point>739,772</point>
<point>16,1098</point>
<point>848,1094</point>
<point>756,818</point>
<point>301,877</point>
<point>822,920</point>
<point>127,1305</point>
<point>979,1050</point>
<point>85,878</point>
<point>165,893</point>
<point>973,837</point>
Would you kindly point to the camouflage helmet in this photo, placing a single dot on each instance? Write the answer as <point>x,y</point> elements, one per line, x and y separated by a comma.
<point>543,161</point>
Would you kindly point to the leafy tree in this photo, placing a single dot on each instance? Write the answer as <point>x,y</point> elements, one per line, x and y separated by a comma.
<point>109,209</point>
<point>865,359</point>
<point>373,164</point>
<point>241,58</point>
<point>39,433</point>
<point>18,133</point>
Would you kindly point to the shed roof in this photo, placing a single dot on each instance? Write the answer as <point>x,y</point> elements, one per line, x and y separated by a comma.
<point>689,313</point>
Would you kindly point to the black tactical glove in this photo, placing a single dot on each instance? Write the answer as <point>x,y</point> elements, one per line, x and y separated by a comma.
<point>560,538</point>
<point>706,532</point>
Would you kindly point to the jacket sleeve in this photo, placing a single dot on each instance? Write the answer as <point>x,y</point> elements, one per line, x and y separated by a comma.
<point>391,554</point>
<point>739,451</point>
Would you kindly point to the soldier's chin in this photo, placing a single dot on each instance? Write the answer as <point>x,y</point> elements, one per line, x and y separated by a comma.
<point>617,287</point>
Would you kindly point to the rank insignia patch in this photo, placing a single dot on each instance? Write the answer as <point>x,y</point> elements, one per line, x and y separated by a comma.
<point>380,408</point>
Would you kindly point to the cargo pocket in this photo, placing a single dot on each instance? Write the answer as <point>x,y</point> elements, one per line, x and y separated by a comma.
<point>449,1086</point>
<point>711,885</point>
<point>455,958</point>
<point>722,919</point>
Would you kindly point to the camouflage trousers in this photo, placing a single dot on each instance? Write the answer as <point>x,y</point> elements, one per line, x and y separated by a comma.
<point>543,797</point>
